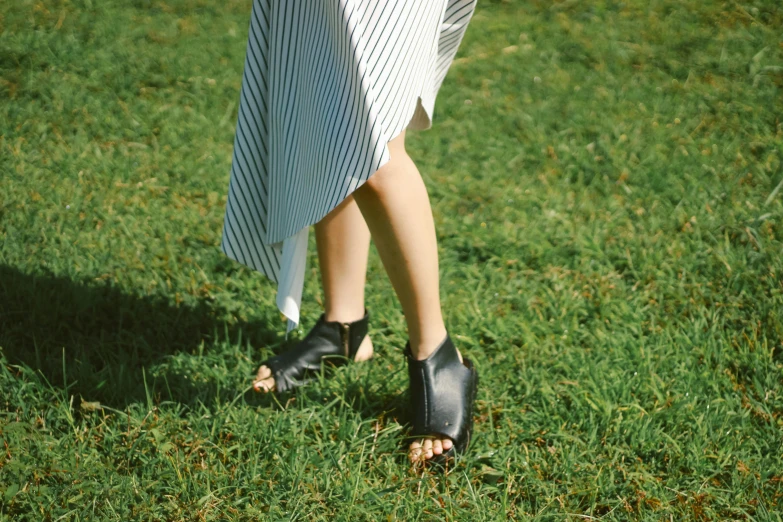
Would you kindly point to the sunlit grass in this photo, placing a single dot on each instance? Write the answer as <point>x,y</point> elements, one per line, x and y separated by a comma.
<point>607,184</point>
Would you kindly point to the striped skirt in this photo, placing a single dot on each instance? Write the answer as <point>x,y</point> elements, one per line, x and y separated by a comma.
<point>326,85</point>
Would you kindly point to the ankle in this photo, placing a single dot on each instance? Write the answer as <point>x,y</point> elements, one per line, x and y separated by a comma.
<point>344,315</point>
<point>425,345</point>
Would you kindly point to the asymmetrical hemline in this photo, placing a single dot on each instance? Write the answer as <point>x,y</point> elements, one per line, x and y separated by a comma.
<point>326,85</point>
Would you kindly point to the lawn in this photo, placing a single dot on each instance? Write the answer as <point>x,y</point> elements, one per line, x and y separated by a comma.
<point>607,183</point>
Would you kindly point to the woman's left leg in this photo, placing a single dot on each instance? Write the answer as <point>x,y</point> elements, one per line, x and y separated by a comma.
<point>396,207</point>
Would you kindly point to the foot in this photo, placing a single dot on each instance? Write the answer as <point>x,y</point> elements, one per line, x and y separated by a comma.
<point>425,449</point>
<point>265,382</point>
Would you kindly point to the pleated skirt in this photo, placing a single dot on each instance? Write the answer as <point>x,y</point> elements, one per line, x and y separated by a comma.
<point>326,85</point>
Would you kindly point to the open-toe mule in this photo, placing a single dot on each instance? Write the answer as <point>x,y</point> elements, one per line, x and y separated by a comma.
<point>329,343</point>
<point>442,393</point>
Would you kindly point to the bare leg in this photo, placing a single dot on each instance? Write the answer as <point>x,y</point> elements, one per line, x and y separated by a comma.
<point>343,245</point>
<point>396,207</point>
<point>343,241</point>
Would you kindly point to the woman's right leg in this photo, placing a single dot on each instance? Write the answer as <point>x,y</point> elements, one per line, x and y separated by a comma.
<point>343,241</point>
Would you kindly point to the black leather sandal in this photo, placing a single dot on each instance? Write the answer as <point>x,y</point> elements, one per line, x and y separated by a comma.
<point>332,343</point>
<point>442,392</point>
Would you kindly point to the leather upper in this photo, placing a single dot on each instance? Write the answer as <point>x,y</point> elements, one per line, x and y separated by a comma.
<point>331,342</point>
<point>442,391</point>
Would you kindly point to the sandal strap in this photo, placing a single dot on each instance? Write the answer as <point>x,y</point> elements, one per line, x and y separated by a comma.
<point>352,335</point>
<point>328,341</point>
<point>442,390</point>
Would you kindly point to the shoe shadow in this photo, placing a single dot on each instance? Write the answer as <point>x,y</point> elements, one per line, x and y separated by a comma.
<point>98,342</point>
<point>374,391</point>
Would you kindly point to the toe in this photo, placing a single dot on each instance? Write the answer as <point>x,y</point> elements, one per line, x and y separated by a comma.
<point>415,452</point>
<point>427,447</point>
<point>447,444</point>
<point>264,382</point>
<point>437,447</point>
<point>263,373</point>
<point>266,385</point>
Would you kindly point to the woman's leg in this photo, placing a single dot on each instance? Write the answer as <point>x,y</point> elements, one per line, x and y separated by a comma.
<point>343,244</point>
<point>343,241</point>
<point>396,207</point>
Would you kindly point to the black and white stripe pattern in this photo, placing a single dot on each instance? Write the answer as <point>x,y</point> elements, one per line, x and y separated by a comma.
<point>327,84</point>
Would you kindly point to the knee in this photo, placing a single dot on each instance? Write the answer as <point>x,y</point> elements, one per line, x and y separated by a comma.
<point>389,173</point>
<point>380,180</point>
<point>376,183</point>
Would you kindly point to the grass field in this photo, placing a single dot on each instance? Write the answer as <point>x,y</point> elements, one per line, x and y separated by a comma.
<point>607,181</point>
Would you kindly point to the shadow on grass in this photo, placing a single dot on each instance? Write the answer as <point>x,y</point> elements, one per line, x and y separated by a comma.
<point>369,396</point>
<point>95,340</point>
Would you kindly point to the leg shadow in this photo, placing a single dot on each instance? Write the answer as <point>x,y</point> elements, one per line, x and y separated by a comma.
<point>95,340</point>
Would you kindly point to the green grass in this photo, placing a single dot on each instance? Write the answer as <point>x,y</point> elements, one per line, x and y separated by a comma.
<point>607,184</point>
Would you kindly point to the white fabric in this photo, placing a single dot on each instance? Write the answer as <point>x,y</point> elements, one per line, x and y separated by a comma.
<point>291,281</point>
<point>326,85</point>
